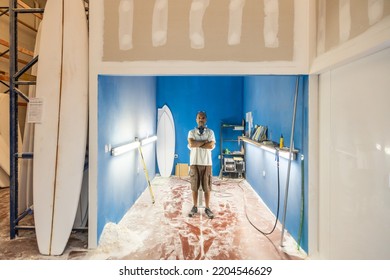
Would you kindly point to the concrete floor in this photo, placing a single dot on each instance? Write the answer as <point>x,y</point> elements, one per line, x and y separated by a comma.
<point>163,231</point>
<point>24,246</point>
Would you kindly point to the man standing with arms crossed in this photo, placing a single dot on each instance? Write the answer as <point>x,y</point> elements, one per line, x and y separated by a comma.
<point>201,141</point>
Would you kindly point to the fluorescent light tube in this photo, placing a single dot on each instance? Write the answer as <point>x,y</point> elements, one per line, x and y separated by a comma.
<point>131,146</point>
<point>148,140</point>
<point>125,148</point>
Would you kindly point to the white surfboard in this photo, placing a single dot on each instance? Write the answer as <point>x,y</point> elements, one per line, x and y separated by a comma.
<point>4,179</point>
<point>25,195</point>
<point>60,138</point>
<point>81,218</point>
<point>166,141</point>
<point>5,141</point>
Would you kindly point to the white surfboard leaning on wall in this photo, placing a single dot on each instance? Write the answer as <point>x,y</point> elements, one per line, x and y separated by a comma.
<point>81,219</point>
<point>5,141</point>
<point>61,135</point>
<point>25,195</point>
<point>166,141</point>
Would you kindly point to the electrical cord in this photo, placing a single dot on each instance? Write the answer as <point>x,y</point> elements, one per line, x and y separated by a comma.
<point>246,214</point>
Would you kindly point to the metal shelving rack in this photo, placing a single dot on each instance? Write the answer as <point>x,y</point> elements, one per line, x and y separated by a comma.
<point>14,92</point>
<point>225,158</point>
<point>14,81</point>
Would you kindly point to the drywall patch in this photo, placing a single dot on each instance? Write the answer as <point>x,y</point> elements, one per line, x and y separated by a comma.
<point>198,8</point>
<point>137,39</point>
<point>160,23</point>
<point>375,11</point>
<point>235,21</point>
<point>271,23</point>
<point>125,29</point>
<point>345,20</point>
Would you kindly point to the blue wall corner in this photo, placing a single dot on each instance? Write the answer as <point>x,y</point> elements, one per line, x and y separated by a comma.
<point>219,96</point>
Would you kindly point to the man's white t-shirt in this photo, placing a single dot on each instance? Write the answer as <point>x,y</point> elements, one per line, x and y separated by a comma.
<point>201,156</point>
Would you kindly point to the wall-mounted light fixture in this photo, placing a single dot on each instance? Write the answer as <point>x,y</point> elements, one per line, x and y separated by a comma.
<point>148,140</point>
<point>124,148</point>
<point>131,146</point>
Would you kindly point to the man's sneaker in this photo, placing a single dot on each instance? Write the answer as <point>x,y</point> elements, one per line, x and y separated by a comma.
<point>193,211</point>
<point>209,213</point>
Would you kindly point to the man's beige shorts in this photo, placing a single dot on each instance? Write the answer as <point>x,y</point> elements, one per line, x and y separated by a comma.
<point>200,175</point>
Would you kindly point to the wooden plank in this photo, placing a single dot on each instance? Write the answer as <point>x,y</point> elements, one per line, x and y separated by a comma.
<point>19,60</point>
<point>28,77</point>
<point>20,49</point>
<point>4,78</point>
<point>25,24</point>
<point>24,77</point>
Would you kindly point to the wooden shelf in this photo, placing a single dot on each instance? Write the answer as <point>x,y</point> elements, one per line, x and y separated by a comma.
<point>272,148</point>
<point>239,154</point>
<point>20,49</point>
<point>233,126</point>
<point>25,77</point>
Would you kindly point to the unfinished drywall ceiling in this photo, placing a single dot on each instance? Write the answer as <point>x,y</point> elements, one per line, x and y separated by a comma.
<point>198,30</point>
<point>343,20</point>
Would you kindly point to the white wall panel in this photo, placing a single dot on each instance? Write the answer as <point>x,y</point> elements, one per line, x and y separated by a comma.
<point>355,160</point>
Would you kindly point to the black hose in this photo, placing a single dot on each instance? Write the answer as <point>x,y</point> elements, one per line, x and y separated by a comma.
<point>278,207</point>
<point>277,210</point>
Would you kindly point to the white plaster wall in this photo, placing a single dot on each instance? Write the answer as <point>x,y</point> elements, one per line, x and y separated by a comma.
<point>327,66</point>
<point>313,159</point>
<point>354,161</point>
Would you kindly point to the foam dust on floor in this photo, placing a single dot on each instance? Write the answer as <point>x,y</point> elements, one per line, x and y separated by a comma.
<point>163,230</point>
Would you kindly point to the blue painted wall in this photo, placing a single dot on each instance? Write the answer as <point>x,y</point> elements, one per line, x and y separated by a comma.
<point>126,109</point>
<point>219,96</point>
<point>271,101</point>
